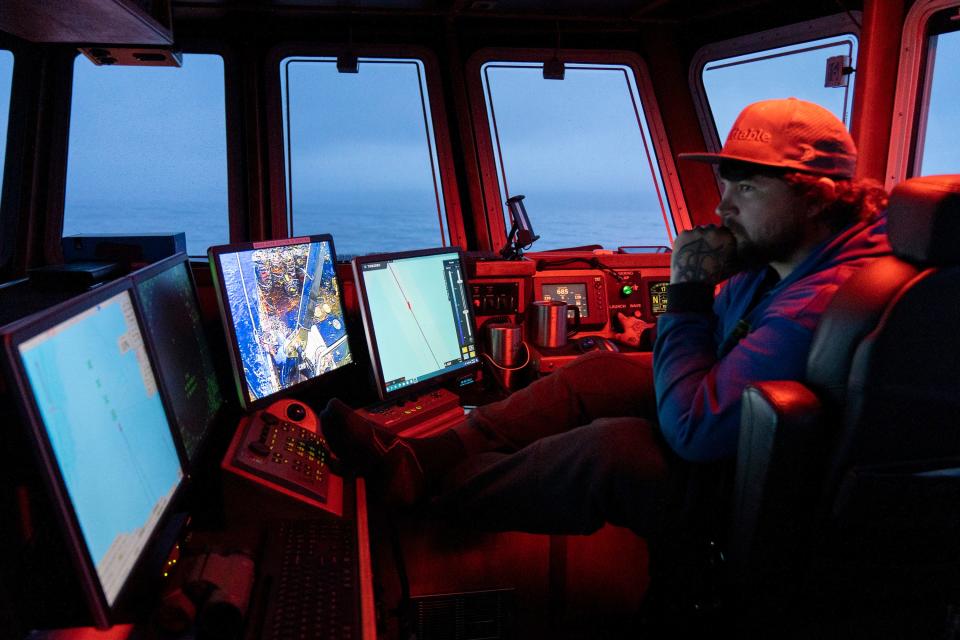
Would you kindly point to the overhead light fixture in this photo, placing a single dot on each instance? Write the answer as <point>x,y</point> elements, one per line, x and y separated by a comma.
<point>133,56</point>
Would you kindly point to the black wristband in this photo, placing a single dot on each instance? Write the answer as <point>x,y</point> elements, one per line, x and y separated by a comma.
<point>690,296</point>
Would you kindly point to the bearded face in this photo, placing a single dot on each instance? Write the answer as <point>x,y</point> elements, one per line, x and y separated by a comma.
<point>766,216</point>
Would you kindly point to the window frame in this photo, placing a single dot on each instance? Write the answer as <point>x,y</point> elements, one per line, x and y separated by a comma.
<point>236,220</point>
<point>13,72</point>
<point>493,209</point>
<point>276,223</point>
<point>12,146</point>
<point>829,26</point>
<point>913,91</point>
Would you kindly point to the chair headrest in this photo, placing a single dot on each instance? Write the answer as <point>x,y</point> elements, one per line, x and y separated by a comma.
<point>923,220</point>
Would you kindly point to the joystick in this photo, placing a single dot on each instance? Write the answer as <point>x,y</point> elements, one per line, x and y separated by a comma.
<point>296,412</point>
<point>289,410</point>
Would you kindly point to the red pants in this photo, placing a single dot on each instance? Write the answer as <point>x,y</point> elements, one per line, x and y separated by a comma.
<point>566,454</point>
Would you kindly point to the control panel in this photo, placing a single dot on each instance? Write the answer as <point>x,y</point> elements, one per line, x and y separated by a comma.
<point>496,297</point>
<point>281,448</point>
<point>600,284</point>
<point>286,454</point>
<point>415,414</point>
<point>640,293</point>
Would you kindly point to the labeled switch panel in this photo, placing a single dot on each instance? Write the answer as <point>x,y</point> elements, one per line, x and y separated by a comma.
<point>494,298</point>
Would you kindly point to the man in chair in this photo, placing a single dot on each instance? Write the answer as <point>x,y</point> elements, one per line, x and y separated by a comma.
<point>595,441</point>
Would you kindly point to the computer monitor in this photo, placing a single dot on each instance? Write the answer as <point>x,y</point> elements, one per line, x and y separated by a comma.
<point>418,318</point>
<point>87,389</point>
<point>282,314</point>
<point>167,299</point>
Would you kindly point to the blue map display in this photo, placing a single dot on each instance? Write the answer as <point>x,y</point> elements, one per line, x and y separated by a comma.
<point>103,415</point>
<point>172,321</point>
<point>287,316</point>
<point>419,331</point>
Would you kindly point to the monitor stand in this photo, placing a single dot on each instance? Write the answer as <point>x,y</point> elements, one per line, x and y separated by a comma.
<point>418,414</point>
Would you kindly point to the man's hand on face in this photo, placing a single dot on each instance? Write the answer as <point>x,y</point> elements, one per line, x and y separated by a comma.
<point>703,254</point>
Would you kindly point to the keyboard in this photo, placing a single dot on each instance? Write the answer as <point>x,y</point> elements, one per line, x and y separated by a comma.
<point>309,582</point>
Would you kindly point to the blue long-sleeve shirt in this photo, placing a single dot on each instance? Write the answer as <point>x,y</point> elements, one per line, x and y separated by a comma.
<point>698,390</point>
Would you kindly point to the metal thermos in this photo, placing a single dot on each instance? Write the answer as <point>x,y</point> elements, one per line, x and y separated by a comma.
<point>550,323</point>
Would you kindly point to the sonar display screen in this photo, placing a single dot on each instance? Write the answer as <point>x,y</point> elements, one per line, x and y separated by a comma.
<point>417,314</point>
<point>282,306</point>
<point>173,325</point>
<point>99,404</point>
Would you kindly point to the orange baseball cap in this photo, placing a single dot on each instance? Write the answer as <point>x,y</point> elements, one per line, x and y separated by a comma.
<point>792,134</point>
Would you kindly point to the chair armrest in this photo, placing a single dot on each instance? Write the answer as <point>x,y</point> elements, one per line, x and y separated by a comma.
<point>780,459</point>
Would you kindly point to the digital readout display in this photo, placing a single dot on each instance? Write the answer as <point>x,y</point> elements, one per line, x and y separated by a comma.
<point>658,297</point>
<point>575,295</point>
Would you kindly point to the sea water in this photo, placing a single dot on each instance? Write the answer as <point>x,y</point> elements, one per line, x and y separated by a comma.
<point>364,229</point>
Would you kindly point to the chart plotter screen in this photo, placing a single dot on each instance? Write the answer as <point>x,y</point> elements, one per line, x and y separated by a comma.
<point>417,315</point>
<point>94,388</point>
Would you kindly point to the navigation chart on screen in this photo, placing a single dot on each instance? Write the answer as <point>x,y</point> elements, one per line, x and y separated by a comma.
<point>172,319</point>
<point>287,315</point>
<point>421,324</point>
<point>100,405</point>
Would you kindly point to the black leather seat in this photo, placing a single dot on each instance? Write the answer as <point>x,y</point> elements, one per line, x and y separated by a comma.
<point>847,489</point>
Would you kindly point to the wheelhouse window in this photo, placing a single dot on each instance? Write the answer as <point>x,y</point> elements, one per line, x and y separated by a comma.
<point>148,151</point>
<point>581,151</point>
<point>6,80</point>
<point>797,71</point>
<point>813,61</point>
<point>937,151</point>
<point>361,154</point>
<point>923,130</point>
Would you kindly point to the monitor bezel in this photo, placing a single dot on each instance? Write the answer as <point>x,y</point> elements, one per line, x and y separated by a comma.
<point>103,614</point>
<point>370,334</point>
<point>140,276</point>
<point>236,361</point>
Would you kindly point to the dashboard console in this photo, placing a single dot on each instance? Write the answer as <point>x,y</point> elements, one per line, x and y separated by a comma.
<point>601,285</point>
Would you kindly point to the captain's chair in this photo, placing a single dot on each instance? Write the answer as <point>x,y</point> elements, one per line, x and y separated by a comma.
<point>847,491</point>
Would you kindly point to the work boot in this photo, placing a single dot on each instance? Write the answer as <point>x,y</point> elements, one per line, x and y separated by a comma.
<point>403,470</point>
